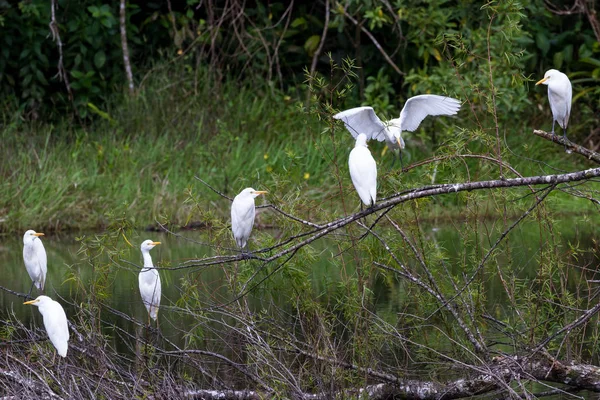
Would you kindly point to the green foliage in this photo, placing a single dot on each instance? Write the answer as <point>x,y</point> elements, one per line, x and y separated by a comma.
<point>92,54</point>
<point>143,154</point>
<point>379,93</point>
<point>431,43</point>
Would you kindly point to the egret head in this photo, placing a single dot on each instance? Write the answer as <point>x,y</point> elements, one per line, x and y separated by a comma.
<point>249,192</point>
<point>549,76</point>
<point>396,131</point>
<point>148,245</point>
<point>361,140</point>
<point>40,301</point>
<point>31,235</point>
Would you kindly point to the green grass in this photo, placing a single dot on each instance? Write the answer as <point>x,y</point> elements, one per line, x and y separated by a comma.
<point>139,158</point>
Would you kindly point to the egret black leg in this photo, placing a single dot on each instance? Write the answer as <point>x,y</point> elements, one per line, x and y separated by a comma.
<point>246,253</point>
<point>372,204</point>
<point>553,122</point>
<point>565,137</point>
<point>400,157</point>
<point>30,289</point>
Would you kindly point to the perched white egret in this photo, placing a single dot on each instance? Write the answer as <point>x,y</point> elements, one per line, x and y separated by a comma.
<point>363,171</point>
<point>364,120</point>
<point>34,256</point>
<point>55,322</point>
<point>242,215</point>
<point>560,94</point>
<point>149,280</point>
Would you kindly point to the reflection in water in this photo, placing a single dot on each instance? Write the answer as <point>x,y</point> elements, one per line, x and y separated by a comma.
<point>63,260</point>
<point>210,285</point>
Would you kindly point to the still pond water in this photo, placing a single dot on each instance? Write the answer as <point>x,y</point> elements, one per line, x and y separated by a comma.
<point>63,259</point>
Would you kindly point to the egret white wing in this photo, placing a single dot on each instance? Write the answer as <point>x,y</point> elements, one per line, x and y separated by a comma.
<point>363,172</point>
<point>42,259</point>
<point>150,290</point>
<point>363,120</point>
<point>418,107</point>
<point>569,100</point>
<point>55,322</point>
<point>155,298</point>
<point>242,221</point>
<point>560,103</point>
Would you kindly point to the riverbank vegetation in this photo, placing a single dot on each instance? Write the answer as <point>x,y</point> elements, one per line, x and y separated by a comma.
<point>73,164</point>
<point>212,110</point>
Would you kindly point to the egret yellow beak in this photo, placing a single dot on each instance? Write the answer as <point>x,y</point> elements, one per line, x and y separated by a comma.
<point>261,192</point>
<point>398,140</point>
<point>38,234</point>
<point>31,301</point>
<point>155,243</point>
<point>541,81</point>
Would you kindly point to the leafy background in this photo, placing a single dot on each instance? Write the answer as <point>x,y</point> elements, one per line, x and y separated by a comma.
<point>424,39</point>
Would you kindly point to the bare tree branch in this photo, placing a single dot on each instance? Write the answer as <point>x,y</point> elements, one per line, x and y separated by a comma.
<point>124,47</point>
<point>587,7</point>
<point>62,73</point>
<point>373,40</point>
<point>317,53</point>
<point>589,154</point>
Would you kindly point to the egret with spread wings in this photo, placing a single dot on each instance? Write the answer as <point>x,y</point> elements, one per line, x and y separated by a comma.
<point>364,120</point>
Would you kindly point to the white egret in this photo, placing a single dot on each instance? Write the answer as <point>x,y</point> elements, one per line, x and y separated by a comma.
<point>149,280</point>
<point>34,256</point>
<point>363,171</point>
<point>55,322</point>
<point>560,94</point>
<point>364,120</point>
<point>242,215</point>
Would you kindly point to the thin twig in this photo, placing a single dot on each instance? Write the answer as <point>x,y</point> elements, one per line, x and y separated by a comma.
<point>62,73</point>
<point>375,42</point>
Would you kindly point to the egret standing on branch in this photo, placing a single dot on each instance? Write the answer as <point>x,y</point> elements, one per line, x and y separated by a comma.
<point>55,322</point>
<point>149,281</point>
<point>560,94</point>
<point>364,120</point>
<point>363,171</point>
<point>34,256</point>
<point>242,215</point>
